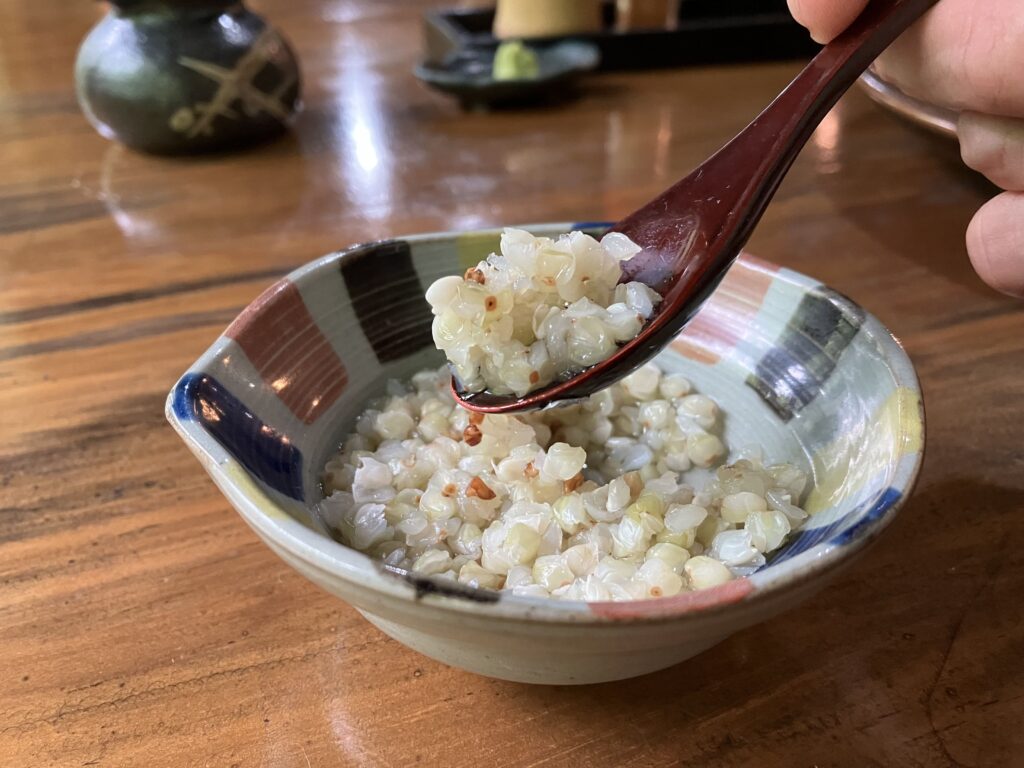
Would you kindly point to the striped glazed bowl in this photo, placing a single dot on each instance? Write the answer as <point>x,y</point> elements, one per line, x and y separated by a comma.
<point>798,369</point>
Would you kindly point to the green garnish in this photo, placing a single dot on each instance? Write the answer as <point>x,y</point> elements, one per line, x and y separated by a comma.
<point>514,61</point>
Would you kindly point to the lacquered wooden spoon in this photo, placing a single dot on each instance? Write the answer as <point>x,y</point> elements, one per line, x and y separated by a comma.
<point>692,233</point>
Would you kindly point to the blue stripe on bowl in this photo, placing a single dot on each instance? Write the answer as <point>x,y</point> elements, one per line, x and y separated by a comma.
<point>884,503</point>
<point>591,227</point>
<point>264,452</point>
<point>847,531</point>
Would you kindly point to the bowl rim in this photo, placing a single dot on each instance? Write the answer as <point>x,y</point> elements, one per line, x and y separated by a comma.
<point>287,536</point>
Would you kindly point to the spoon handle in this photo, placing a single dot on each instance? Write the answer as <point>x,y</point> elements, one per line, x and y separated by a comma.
<point>708,217</point>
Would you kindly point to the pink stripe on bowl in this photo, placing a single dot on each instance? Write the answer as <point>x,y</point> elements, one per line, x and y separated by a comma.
<point>731,592</point>
<point>287,347</point>
<point>727,315</point>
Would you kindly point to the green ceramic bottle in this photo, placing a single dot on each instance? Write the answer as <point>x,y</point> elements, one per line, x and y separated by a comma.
<point>186,76</point>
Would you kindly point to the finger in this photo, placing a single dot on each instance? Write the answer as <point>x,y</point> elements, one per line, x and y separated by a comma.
<point>995,241</point>
<point>826,18</point>
<point>964,54</point>
<point>994,146</point>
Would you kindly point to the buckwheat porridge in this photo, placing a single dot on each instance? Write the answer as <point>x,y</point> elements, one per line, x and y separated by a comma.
<point>585,502</point>
<point>537,310</point>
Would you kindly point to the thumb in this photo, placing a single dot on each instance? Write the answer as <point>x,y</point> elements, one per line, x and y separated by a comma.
<point>995,241</point>
<point>826,18</point>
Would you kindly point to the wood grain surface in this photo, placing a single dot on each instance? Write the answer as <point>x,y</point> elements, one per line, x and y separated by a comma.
<point>141,622</point>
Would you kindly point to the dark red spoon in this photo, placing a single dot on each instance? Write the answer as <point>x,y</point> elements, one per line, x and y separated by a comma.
<point>693,232</point>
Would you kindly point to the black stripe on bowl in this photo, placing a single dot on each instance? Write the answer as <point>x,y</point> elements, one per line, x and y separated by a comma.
<point>794,371</point>
<point>388,298</point>
<point>429,585</point>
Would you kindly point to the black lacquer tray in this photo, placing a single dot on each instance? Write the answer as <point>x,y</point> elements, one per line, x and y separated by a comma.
<point>708,32</point>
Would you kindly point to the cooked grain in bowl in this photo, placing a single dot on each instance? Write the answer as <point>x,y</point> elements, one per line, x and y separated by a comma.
<point>586,502</point>
<point>539,309</point>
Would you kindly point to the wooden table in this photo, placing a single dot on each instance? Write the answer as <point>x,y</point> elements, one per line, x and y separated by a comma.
<point>141,622</point>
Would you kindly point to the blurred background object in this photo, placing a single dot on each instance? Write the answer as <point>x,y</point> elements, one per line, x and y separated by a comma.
<point>629,34</point>
<point>546,18</point>
<point>513,74</point>
<point>186,76</point>
<point>646,14</point>
<point>572,37</point>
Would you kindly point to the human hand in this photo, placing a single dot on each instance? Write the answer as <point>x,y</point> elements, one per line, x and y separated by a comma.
<point>967,55</point>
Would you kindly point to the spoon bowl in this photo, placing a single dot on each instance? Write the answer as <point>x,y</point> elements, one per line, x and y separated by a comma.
<point>692,232</point>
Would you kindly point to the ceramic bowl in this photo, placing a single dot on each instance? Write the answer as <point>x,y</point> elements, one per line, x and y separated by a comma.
<point>797,368</point>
